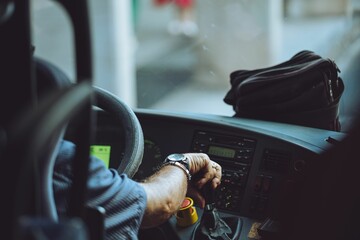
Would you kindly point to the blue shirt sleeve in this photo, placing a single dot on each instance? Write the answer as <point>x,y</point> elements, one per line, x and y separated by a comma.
<point>123,199</point>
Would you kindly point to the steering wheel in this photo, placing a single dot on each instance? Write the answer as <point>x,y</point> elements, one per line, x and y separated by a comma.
<point>50,77</point>
<point>134,145</point>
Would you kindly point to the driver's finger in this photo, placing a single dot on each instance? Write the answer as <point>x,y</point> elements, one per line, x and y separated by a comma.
<point>216,181</point>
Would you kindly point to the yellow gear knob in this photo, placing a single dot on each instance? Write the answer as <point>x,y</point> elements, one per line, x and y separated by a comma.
<point>187,214</point>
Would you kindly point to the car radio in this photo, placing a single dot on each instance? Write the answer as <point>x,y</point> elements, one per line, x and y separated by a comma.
<point>235,155</point>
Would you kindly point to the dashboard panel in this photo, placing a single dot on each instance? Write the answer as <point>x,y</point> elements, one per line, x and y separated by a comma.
<point>262,162</point>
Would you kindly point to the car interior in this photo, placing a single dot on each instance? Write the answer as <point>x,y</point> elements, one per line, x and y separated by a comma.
<point>280,180</point>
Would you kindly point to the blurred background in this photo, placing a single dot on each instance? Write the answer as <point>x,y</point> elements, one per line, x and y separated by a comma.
<point>178,55</point>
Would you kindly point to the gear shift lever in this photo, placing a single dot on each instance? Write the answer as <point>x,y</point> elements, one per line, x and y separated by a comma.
<point>210,215</point>
<point>211,225</point>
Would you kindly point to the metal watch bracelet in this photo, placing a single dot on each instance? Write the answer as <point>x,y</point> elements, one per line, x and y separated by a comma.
<point>188,175</point>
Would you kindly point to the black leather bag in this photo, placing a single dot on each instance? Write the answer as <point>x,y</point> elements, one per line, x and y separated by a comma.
<point>305,90</point>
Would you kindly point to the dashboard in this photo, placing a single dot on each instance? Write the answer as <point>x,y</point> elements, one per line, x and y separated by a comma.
<point>263,162</point>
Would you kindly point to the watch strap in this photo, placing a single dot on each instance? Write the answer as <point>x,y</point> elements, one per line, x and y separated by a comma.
<point>174,163</point>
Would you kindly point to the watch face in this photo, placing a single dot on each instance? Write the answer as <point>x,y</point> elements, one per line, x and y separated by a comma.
<point>180,158</point>
<point>176,157</point>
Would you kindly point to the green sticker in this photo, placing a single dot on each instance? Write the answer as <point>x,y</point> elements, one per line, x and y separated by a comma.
<point>101,152</point>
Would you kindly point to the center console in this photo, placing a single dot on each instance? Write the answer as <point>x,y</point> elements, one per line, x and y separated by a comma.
<point>235,155</point>
<point>256,176</point>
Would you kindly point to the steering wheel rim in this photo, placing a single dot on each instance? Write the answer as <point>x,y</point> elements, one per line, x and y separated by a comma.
<point>50,77</point>
<point>134,145</point>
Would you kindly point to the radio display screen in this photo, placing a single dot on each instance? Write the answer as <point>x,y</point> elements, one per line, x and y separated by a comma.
<point>221,152</point>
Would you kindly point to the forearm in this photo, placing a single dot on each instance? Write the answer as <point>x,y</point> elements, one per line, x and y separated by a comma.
<point>165,192</point>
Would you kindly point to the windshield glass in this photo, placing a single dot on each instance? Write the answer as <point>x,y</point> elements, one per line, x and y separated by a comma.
<point>178,55</point>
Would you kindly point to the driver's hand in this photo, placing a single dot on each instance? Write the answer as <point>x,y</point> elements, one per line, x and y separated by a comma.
<point>203,170</point>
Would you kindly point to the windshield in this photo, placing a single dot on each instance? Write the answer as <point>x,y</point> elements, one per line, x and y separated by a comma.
<point>178,55</point>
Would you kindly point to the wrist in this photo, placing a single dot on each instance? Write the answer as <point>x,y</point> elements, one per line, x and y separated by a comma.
<point>180,161</point>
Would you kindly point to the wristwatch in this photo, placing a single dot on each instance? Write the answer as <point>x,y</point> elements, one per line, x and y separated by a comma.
<point>179,160</point>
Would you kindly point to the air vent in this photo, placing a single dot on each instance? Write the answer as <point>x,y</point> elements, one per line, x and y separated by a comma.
<point>276,161</point>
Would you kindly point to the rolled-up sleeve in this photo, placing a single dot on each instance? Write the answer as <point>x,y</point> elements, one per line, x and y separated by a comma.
<point>123,199</point>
